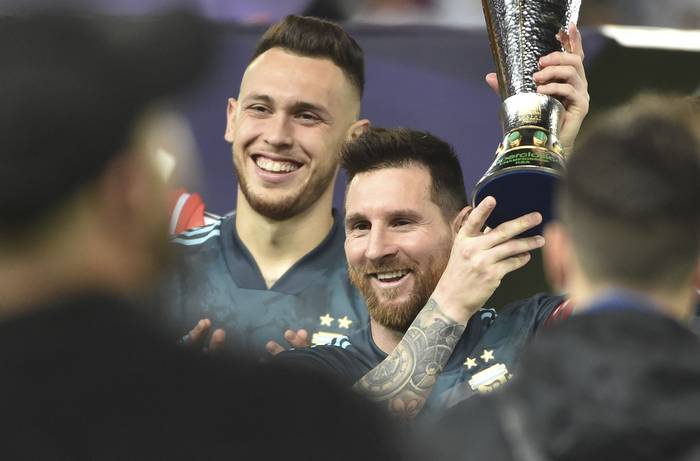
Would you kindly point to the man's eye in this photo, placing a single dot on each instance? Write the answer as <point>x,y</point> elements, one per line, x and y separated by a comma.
<point>360,226</point>
<point>308,117</point>
<point>403,222</point>
<point>259,109</point>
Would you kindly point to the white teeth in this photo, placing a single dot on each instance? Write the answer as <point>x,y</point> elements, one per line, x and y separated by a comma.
<point>274,165</point>
<point>391,275</point>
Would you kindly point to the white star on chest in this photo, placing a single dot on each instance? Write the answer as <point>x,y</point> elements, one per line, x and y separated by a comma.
<point>344,322</point>
<point>326,320</point>
<point>487,355</point>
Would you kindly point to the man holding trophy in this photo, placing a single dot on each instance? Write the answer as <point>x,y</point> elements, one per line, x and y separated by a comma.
<point>425,267</point>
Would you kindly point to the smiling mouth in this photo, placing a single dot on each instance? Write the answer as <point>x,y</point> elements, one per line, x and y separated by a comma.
<point>390,276</point>
<point>275,166</point>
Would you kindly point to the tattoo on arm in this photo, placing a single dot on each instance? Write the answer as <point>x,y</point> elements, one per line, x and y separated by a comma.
<point>406,377</point>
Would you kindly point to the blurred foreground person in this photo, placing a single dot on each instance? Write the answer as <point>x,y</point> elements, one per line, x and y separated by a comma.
<point>620,379</point>
<point>84,376</point>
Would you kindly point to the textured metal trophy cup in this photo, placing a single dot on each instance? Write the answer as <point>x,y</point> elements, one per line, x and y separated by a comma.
<point>530,159</point>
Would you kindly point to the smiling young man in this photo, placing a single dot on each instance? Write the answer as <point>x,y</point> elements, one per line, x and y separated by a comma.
<point>276,264</point>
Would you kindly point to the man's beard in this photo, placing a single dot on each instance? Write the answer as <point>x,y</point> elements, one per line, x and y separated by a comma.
<point>397,317</point>
<point>289,205</point>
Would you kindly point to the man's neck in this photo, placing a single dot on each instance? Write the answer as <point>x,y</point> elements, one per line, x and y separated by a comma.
<point>385,338</point>
<point>676,303</point>
<point>277,245</point>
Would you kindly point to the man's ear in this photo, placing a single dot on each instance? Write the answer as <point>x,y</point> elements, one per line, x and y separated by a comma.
<point>357,129</point>
<point>556,255</point>
<point>230,119</point>
<point>460,218</point>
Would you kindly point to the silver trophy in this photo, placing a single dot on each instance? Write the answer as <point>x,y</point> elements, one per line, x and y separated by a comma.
<point>530,159</point>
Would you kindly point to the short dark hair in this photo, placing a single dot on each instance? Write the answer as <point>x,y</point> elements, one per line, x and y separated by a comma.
<point>317,38</point>
<point>71,88</point>
<point>631,198</point>
<point>380,148</point>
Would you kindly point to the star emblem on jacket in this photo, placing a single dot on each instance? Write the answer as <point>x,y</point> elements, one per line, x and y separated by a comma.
<point>489,378</point>
<point>344,322</point>
<point>326,320</point>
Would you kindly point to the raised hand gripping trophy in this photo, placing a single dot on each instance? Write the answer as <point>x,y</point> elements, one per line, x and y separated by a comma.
<point>530,159</point>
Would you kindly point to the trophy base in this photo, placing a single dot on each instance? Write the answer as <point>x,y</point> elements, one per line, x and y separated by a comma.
<point>518,191</point>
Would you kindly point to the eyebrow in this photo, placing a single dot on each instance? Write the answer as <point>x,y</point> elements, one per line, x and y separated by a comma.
<point>400,213</point>
<point>302,106</point>
<point>405,213</point>
<point>258,97</point>
<point>299,106</point>
<point>354,217</point>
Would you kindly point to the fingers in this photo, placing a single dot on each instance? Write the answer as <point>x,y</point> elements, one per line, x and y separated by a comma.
<point>274,348</point>
<point>512,228</point>
<point>562,81</point>
<point>564,39</point>
<point>559,58</point>
<point>562,74</point>
<point>571,40</point>
<point>573,57</point>
<point>196,335</point>
<point>476,220</point>
<point>217,340</point>
<point>575,41</point>
<point>297,339</point>
<point>515,247</point>
<point>561,90</point>
<point>508,265</point>
<point>492,82</point>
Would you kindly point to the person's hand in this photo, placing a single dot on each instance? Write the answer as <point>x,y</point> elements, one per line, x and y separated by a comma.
<point>196,337</point>
<point>297,339</point>
<point>563,76</point>
<point>480,259</point>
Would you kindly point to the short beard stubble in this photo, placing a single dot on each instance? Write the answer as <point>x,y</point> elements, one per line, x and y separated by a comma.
<point>398,317</point>
<point>286,208</point>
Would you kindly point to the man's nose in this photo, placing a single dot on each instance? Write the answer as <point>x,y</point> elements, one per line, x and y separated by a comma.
<point>278,132</point>
<point>379,245</point>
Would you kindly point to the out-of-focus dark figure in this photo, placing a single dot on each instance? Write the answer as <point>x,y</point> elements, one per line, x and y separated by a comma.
<point>620,379</point>
<point>82,235</point>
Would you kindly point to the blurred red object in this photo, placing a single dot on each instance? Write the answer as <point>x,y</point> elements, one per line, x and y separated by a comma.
<point>186,211</point>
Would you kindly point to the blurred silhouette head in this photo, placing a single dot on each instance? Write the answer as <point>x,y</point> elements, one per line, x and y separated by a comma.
<point>630,204</point>
<point>78,98</point>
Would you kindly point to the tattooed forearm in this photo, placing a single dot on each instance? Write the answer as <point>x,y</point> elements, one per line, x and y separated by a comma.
<point>406,377</point>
